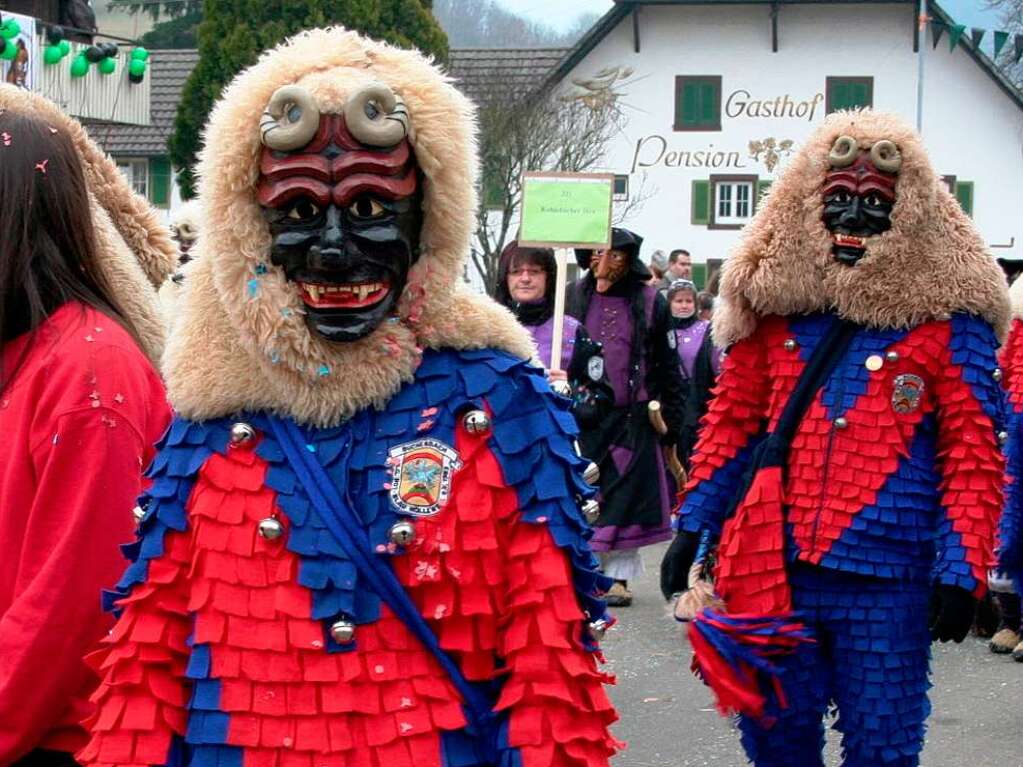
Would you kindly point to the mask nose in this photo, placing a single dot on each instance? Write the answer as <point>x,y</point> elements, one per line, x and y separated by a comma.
<point>328,253</point>
<point>853,215</point>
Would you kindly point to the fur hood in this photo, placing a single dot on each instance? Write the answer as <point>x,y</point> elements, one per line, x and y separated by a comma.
<point>135,251</point>
<point>1016,296</point>
<point>930,264</point>
<point>240,341</point>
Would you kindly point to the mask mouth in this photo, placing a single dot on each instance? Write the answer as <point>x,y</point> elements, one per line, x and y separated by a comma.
<point>848,248</point>
<point>357,296</point>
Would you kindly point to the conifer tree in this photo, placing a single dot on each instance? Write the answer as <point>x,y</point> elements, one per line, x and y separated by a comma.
<point>234,32</point>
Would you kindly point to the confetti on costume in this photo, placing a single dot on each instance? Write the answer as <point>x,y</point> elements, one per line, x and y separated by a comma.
<point>889,494</point>
<point>251,632</point>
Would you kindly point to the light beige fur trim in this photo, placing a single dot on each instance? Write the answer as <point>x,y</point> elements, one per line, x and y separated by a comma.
<point>135,250</point>
<point>239,344</point>
<point>930,264</point>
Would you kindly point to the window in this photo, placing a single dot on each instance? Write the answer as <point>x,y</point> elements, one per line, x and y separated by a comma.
<point>848,93</point>
<point>733,201</point>
<point>698,102</point>
<point>137,174</point>
<point>964,193</point>
<point>621,188</point>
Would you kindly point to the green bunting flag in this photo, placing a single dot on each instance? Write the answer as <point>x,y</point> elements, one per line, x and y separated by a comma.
<point>1001,38</point>
<point>976,35</point>
<point>937,30</point>
<point>955,32</point>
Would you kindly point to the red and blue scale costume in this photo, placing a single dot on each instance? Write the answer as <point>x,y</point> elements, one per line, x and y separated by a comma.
<point>1011,528</point>
<point>893,483</point>
<point>223,657</point>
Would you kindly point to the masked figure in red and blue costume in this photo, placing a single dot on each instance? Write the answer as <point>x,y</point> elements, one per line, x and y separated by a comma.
<point>849,473</point>
<point>364,542</point>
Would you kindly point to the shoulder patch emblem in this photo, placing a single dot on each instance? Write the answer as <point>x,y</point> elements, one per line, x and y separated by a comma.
<point>907,394</point>
<point>595,368</point>
<point>421,476</point>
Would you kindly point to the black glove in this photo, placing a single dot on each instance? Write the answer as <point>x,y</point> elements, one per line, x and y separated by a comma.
<point>952,612</point>
<point>676,563</point>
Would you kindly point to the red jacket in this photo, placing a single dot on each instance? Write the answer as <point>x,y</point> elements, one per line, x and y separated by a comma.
<point>77,425</point>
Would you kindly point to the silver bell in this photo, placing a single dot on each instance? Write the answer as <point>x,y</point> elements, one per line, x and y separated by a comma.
<point>591,474</point>
<point>1003,437</point>
<point>562,388</point>
<point>242,433</point>
<point>598,629</point>
<point>591,511</point>
<point>476,422</point>
<point>342,632</point>
<point>271,528</point>
<point>892,356</point>
<point>997,374</point>
<point>791,345</point>
<point>138,513</point>
<point>841,423</point>
<point>403,532</point>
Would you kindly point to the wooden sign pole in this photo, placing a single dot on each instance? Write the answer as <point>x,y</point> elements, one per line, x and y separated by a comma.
<point>560,283</point>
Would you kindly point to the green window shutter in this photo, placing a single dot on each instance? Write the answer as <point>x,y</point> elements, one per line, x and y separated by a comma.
<point>700,276</point>
<point>159,181</point>
<point>698,103</point>
<point>690,105</point>
<point>964,193</point>
<point>701,203</point>
<point>849,93</point>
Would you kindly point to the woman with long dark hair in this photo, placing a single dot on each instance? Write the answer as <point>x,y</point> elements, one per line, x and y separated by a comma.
<point>80,408</point>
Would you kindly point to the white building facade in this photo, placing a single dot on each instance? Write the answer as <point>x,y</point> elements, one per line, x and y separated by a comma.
<point>716,96</point>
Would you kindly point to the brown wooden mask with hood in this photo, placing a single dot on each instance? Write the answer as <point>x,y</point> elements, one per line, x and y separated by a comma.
<point>860,224</point>
<point>337,185</point>
<point>135,252</point>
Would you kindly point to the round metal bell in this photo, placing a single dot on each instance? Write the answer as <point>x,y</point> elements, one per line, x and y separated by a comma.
<point>892,356</point>
<point>562,388</point>
<point>138,513</point>
<point>591,511</point>
<point>342,632</point>
<point>592,474</point>
<point>242,433</point>
<point>476,422</point>
<point>1003,437</point>
<point>841,423</point>
<point>402,532</point>
<point>997,374</point>
<point>271,528</point>
<point>791,345</point>
<point>598,629</point>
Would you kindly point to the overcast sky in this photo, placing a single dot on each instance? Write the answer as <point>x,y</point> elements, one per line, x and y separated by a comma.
<point>562,13</point>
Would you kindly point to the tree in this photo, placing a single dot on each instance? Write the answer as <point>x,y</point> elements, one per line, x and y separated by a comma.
<point>485,24</point>
<point>180,32</point>
<point>550,130</point>
<point>234,32</point>
<point>1011,19</point>
<point>156,9</point>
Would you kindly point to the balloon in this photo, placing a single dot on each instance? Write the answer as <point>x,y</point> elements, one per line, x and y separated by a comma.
<point>108,66</point>
<point>54,35</point>
<point>135,79</point>
<point>10,28</point>
<point>137,67</point>
<point>80,66</point>
<point>65,47</point>
<point>52,54</point>
<point>94,54</point>
<point>109,49</point>
<point>140,54</point>
<point>9,52</point>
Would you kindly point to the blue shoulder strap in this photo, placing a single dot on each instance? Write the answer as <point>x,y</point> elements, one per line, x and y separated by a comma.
<point>342,523</point>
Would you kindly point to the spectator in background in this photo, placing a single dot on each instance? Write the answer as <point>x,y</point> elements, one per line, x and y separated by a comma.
<point>705,305</point>
<point>659,267</point>
<point>680,266</point>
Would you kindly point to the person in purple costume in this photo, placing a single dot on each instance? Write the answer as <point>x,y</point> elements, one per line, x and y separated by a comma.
<point>630,319</point>
<point>699,359</point>
<point>525,284</point>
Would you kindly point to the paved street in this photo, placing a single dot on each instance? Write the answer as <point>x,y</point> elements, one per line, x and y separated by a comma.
<point>669,721</point>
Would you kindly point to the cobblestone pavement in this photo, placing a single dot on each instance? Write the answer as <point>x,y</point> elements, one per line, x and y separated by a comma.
<point>668,719</point>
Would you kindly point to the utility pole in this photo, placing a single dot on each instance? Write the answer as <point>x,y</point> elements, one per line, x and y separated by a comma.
<point>921,53</point>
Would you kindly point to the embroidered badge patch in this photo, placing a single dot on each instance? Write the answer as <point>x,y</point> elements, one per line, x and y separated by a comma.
<point>595,367</point>
<point>421,476</point>
<point>672,340</point>
<point>908,391</point>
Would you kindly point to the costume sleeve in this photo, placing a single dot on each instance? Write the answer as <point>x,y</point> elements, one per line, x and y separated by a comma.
<point>557,712</point>
<point>89,476</point>
<point>700,387</point>
<point>140,703</point>
<point>1010,552</point>
<point>666,374</point>
<point>734,422</point>
<point>970,410</point>
<point>592,398</point>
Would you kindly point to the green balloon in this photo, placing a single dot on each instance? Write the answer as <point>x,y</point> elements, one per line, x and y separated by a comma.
<point>137,67</point>
<point>10,28</point>
<point>9,52</point>
<point>107,66</point>
<point>80,66</point>
<point>139,54</point>
<point>65,47</point>
<point>52,54</point>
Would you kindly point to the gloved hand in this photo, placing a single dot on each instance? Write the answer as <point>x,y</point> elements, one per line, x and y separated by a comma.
<point>676,563</point>
<point>952,612</point>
